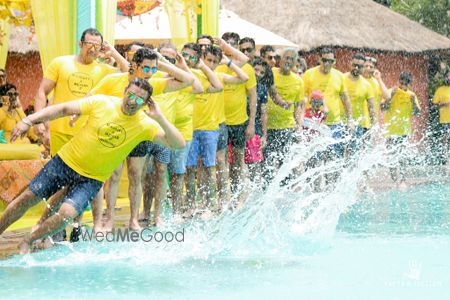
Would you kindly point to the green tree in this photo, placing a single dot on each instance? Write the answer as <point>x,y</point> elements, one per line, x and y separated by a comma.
<point>434,14</point>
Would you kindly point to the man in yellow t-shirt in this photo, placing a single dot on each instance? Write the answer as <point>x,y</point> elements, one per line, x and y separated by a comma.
<point>442,100</point>
<point>241,126</point>
<point>331,83</point>
<point>180,108</point>
<point>70,78</point>
<point>399,109</point>
<point>208,109</point>
<point>144,64</point>
<point>281,123</point>
<point>361,96</point>
<point>114,127</point>
<point>380,90</point>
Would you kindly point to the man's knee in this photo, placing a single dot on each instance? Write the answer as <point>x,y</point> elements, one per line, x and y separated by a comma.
<point>67,212</point>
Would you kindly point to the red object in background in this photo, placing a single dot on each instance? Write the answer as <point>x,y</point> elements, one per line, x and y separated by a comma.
<point>253,152</point>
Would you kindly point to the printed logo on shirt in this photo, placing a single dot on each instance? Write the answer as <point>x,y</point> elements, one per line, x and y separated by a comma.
<point>111,135</point>
<point>80,84</point>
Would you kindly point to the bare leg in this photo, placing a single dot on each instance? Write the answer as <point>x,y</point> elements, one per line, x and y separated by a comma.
<point>176,190</point>
<point>190,188</point>
<point>17,208</point>
<point>55,202</point>
<point>160,189</point>
<point>236,171</point>
<point>54,224</point>
<point>97,211</point>
<point>135,169</point>
<point>222,177</point>
<point>208,188</point>
<point>111,197</point>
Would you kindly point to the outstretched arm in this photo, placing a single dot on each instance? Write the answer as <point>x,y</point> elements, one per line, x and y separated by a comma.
<point>47,114</point>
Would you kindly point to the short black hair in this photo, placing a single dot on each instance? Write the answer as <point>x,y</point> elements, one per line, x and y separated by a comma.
<point>248,40</point>
<point>205,36</point>
<point>197,49</point>
<point>406,77</point>
<point>134,43</point>
<point>359,56</point>
<point>265,49</point>
<point>215,51</point>
<point>231,36</point>
<point>327,50</point>
<point>144,53</point>
<point>257,61</point>
<point>91,31</point>
<point>6,87</point>
<point>143,84</point>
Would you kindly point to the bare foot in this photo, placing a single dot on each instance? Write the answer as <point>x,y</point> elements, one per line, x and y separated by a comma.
<point>206,215</point>
<point>134,225</point>
<point>108,225</point>
<point>24,246</point>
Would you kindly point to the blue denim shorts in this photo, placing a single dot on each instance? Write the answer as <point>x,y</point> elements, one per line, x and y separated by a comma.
<point>223,137</point>
<point>204,144</point>
<point>445,127</point>
<point>178,159</point>
<point>56,175</point>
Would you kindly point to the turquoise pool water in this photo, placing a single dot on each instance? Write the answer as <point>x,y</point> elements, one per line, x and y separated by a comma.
<point>394,245</point>
<point>287,243</point>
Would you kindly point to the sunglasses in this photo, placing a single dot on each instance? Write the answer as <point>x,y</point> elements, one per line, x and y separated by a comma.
<point>170,59</point>
<point>315,102</point>
<point>147,69</point>
<point>91,45</point>
<point>12,94</point>
<point>270,57</point>
<point>328,60</point>
<point>371,59</point>
<point>186,55</point>
<point>133,96</point>
<point>232,42</point>
<point>249,49</point>
<point>358,66</point>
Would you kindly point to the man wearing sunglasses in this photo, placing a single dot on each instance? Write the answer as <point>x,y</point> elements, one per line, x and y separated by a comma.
<point>399,109</point>
<point>281,123</point>
<point>362,100</point>
<point>178,107</point>
<point>114,127</point>
<point>331,83</point>
<point>373,75</point>
<point>144,65</point>
<point>241,126</point>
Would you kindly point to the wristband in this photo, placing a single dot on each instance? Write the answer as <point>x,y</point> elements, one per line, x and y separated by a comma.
<point>229,63</point>
<point>27,121</point>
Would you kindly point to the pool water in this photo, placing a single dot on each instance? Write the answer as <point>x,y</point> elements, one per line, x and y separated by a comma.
<point>286,243</point>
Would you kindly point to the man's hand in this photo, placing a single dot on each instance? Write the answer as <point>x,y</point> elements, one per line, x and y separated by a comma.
<point>250,131</point>
<point>181,62</point>
<point>43,133</point>
<point>225,60</point>
<point>153,111</point>
<point>377,74</point>
<point>20,130</point>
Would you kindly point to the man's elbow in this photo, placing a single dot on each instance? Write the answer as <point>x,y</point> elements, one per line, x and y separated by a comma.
<point>178,144</point>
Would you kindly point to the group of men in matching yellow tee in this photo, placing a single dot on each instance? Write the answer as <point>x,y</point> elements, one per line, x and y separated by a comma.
<point>215,97</point>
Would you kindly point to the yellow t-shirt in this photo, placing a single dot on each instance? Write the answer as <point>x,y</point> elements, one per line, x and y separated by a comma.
<point>73,81</point>
<point>236,95</point>
<point>359,92</point>
<point>378,95</point>
<point>185,106</point>
<point>115,85</point>
<point>290,87</point>
<point>397,117</point>
<point>442,95</point>
<point>107,137</point>
<point>8,121</point>
<point>206,107</point>
<point>331,85</point>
